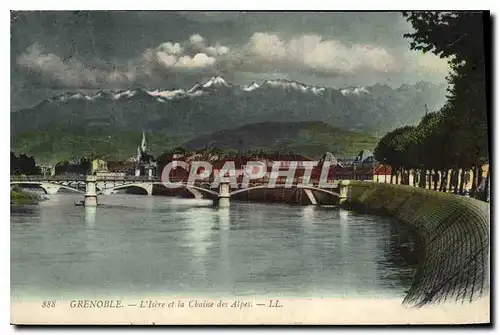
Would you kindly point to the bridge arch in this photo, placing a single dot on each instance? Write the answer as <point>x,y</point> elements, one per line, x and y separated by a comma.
<point>323,190</point>
<point>146,188</point>
<point>198,188</point>
<point>203,190</point>
<point>307,187</point>
<point>48,188</point>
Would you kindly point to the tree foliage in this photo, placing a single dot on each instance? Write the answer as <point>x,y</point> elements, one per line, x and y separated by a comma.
<point>78,166</point>
<point>456,136</point>
<point>23,165</point>
<point>459,37</point>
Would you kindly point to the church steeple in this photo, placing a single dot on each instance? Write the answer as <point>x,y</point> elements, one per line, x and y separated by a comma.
<point>145,165</point>
<point>138,159</point>
<point>143,143</point>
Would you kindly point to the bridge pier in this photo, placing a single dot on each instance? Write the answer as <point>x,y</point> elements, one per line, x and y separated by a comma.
<point>149,188</point>
<point>343,191</point>
<point>197,194</point>
<point>50,189</point>
<point>90,191</point>
<point>224,195</point>
<point>310,197</point>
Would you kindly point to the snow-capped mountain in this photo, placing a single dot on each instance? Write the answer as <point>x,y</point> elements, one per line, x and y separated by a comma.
<point>196,90</point>
<point>217,104</point>
<point>196,87</point>
<point>286,84</point>
<point>216,82</point>
<point>127,94</point>
<point>167,94</point>
<point>251,87</point>
<point>354,90</point>
<point>292,86</point>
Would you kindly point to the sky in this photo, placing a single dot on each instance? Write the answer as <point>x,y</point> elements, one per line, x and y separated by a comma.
<point>52,52</point>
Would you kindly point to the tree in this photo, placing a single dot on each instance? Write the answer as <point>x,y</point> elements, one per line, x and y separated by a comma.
<point>80,165</point>
<point>459,38</point>
<point>397,149</point>
<point>23,165</point>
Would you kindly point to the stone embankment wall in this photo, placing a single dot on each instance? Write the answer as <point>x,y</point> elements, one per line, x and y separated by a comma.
<point>454,233</point>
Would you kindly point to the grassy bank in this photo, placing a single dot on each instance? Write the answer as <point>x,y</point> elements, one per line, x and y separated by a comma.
<point>18,196</point>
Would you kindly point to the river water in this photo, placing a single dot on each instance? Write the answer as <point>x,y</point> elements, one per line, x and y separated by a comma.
<point>134,245</point>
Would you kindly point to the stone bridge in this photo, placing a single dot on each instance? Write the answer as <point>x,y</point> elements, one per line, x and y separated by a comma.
<point>92,186</point>
<point>78,183</point>
<point>50,186</point>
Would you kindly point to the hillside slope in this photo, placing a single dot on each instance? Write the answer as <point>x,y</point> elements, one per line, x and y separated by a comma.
<point>308,138</point>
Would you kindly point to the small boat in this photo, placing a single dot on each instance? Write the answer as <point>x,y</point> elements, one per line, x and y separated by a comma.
<point>81,203</point>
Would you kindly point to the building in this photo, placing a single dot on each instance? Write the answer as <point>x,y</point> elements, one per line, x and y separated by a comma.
<point>178,153</point>
<point>382,173</point>
<point>145,163</point>
<point>365,158</point>
<point>99,165</point>
<point>48,170</point>
<point>125,168</point>
<point>105,169</point>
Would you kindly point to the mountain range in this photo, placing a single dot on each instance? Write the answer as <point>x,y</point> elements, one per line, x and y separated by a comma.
<point>217,104</point>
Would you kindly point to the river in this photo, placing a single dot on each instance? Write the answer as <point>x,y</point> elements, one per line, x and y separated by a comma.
<point>134,245</point>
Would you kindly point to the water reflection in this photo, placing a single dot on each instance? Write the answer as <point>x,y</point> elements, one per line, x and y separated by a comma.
<point>200,223</point>
<point>147,244</point>
<point>90,215</point>
<point>308,215</point>
<point>344,245</point>
<point>24,210</point>
<point>149,203</point>
<point>400,257</point>
<point>222,219</point>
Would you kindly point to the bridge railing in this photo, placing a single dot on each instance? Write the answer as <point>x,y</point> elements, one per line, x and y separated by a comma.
<point>128,178</point>
<point>46,178</point>
<point>81,178</point>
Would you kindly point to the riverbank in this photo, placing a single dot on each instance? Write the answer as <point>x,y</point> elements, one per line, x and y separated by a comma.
<point>20,197</point>
<point>454,231</point>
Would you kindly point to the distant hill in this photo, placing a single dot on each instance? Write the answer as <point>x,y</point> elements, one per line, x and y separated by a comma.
<point>54,145</point>
<point>307,138</point>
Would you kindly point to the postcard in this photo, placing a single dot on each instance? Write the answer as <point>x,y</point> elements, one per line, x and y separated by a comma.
<point>249,168</point>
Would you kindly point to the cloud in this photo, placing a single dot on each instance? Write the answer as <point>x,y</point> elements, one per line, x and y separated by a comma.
<point>168,57</point>
<point>196,39</point>
<point>426,63</point>
<point>314,55</point>
<point>312,52</point>
<point>262,53</point>
<point>200,60</point>
<point>171,48</point>
<point>71,71</point>
<point>267,46</point>
<point>217,50</point>
<point>189,55</point>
